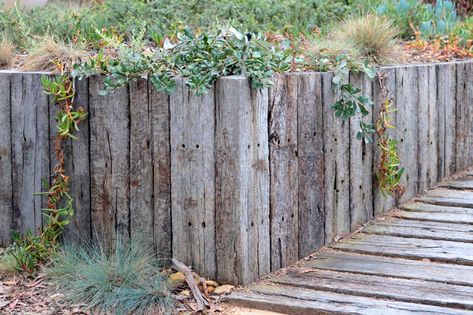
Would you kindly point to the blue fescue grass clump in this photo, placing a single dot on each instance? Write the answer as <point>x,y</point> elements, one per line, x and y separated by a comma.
<point>124,281</point>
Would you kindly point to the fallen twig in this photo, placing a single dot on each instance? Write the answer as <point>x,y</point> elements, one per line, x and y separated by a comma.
<point>199,298</point>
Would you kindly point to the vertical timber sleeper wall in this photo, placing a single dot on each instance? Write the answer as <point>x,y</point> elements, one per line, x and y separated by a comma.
<point>237,182</point>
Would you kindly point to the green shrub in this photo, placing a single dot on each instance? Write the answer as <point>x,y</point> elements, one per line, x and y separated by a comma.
<point>125,281</point>
<point>464,32</point>
<point>128,17</point>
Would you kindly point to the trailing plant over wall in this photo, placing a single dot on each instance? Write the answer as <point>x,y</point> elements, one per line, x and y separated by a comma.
<point>389,170</point>
<point>31,250</point>
<point>199,58</point>
<point>351,102</point>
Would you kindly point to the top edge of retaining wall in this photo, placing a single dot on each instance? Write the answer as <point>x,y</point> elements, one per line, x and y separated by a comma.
<point>240,77</point>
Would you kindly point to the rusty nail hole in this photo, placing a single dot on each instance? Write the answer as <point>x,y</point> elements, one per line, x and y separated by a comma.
<point>189,223</point>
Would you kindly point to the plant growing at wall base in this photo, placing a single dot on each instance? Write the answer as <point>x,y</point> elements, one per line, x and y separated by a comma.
<point>389,171</point>
<point>31,250</point>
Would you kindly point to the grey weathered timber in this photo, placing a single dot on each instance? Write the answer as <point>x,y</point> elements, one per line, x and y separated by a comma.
<point>109,162</point>
<point>422,229</point>
<point>464,112</point>
<point>243,172</point>
<point>30,149</point>
<point>449,197</point>
<point>460,183</point>
<point>193,178</point>
<point>292,300</point>
<point>361,163</point>
<point>428,127</point>
<point>407,97</point>
<point>428,207</point>
<point>6,191</point>
<point>449,217</point>
<point>303,181</point>
<point>412,248</point>
<point>382,202</point>
<point>259,209</point>
<point>161,170</point>
<point>284,171</point>
<point>420,265</point>
<point>414,291</point>
<point>141,161</point>
<point>310,163</point>
<point>392,267</point>
<point>446,92</point>
<point>337,174</point>
<point>77,164</point>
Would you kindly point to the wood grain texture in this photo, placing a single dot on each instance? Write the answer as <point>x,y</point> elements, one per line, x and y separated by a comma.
<point>161,154</point>
<point>412,291</point>
<point>77,164</point>
<point>427,207</point>
<point>464,114</point>
<point>6,213</point>
<point>259,229</point>
<point>382,202</point>
<point>428,127</point>
<point>242,185</point>
<point>446,93</point>
<point>141,164</point>
<point>392,267</point>
<point>461,183</point>
<point>411,248</point>
<point>109,163</point>
<point>284,171</point>
<point>193,178</point>
<point>337,163</point>
<point>448,197</point>
<point>407,128</point>
<point>361,162</point>
<point>466,218</point>
<point>310,163</point>
<point>30,149</point>
<point>292,300</point>
<point>423,229</point>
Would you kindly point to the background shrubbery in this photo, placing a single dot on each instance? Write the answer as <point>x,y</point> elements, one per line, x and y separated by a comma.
<point>156,18</point>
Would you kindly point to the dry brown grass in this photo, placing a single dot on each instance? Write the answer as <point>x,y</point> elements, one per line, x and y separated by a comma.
<point>7,53</point>
<point>371,36</point>
<point>48,52</point>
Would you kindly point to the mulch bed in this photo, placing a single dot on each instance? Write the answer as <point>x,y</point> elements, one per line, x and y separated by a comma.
<point>23,295</point>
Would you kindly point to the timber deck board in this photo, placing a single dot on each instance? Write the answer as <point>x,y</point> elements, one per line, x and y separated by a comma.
<point>423,229</point>
<point>417,260</point>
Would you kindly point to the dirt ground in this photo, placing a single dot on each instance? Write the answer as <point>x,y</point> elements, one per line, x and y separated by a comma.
<point>24,295</point>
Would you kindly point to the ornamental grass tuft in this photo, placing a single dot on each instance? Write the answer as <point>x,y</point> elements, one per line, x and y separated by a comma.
<point>125,281</point>
<point>372,37</point>
<point>7,52</point>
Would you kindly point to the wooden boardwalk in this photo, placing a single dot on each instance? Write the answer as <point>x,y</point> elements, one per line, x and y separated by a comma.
<point>417,260</point>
